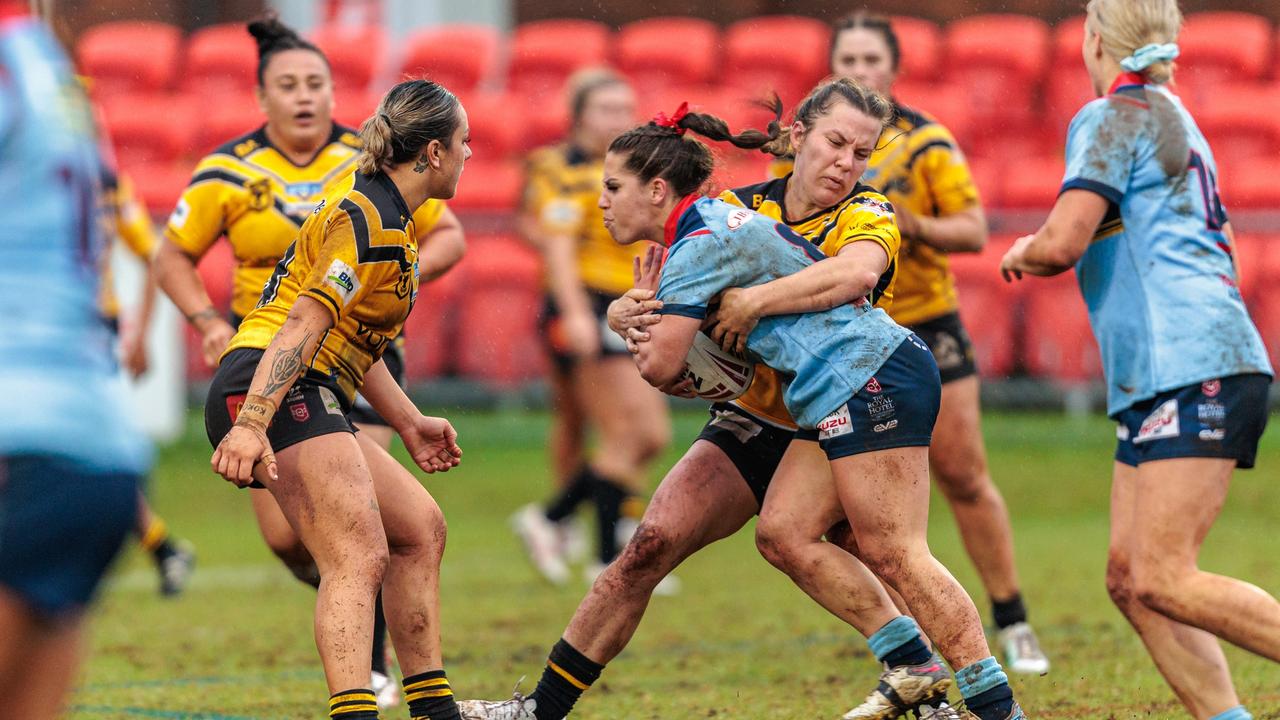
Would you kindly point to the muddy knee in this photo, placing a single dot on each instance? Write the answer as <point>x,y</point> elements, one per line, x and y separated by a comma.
<point>1120,581</point>
<point>649,556</point>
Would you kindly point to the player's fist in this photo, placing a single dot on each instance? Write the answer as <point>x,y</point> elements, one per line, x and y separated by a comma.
<point>432,443</point>
<point>215,335</point>
<point>241,449</point>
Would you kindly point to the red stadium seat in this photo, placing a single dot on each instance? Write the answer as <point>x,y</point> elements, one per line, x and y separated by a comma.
<point>663,51</point>
<point>1059,340</point>
<point>130,56</point>
<point>1221,47</point>
<point>1067,87</point>
<point>431,327</point>
<point>1251,185</point>
<point>497,333</point>
<point>221,59</point>
<point>234,114</point>
<point>1265,300</point>
<point>460,57</point>
<point>160,184</point>
<point>1241,123</point>
<point>946,102</point>
<point>1032,182</point>
<point>1250,255</point>
<point>548,124</point>
<point>215,270</point>
<point>990,305</point>
<point>150,127</point>
<point>496,120</point>
<point>920,42</point>
<point>999,56</point>
<point>545,53</point>
<point>355,54</point>
<point>489,185</point>
<point>988,175</point>
<point>786,54</point>
<point>353,107</point>
<point>746,169</point>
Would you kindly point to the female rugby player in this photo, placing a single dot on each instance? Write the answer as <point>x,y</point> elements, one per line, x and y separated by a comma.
<point>257,190</point>
<point>585,270</point>
<point>278,404</point>
<point>1139,218</point>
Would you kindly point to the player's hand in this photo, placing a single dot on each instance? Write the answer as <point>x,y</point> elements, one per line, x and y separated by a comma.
<point>582,333</point>
<point>647,271</point>
<point>908,224</point>
<point>241,449</point>
<point>1013,264</point>
<point>682,386</point>
<point>432,443</point>
<point>630,314</point>
<point>215,335</point>
<point>133,353</point>
<point>735,318</point>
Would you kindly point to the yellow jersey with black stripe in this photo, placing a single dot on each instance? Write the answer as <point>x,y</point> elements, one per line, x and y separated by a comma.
<point>123,217</point>
<point>255,195</point>
<point>562,187</point>
<point>357,255</point>
<point>919,167</point>
<point>864,215</point>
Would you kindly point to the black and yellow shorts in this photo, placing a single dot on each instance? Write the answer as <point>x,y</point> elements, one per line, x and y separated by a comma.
<point>753,446</point>
<point>557,343</point>
<point>361,411</point>
<point>949,341</point>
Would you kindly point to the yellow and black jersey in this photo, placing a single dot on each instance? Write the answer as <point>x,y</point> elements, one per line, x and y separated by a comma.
<point>256,196</point>
<point>864,215</point>
<point>357,255</point>
<point>562,187</point>
<point>919,167</point>
<point>122,217</point>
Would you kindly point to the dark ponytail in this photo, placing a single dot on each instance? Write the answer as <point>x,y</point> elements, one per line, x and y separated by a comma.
<point>273,37</point>
<point>661,150</point>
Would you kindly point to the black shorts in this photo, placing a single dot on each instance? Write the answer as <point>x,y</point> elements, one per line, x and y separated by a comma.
<point>557,345</point>
<point>61,525</point>
<point>896,408</point>
<point>314,406</point>
<point>361,411</point>
<point>754,447</point>
<point>951,346</point>
<point>1220,418</point>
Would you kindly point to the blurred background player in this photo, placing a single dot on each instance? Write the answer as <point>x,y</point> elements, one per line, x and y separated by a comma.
<point>922,171</point>
<point>1139,217</point>
<point>257,190</point>
<point>277,406</point>
<point>594,384</point>
<point>65,507</point>
<point>125,219</point>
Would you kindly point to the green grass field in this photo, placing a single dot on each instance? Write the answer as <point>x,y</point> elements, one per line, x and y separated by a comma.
<point>740,642</point>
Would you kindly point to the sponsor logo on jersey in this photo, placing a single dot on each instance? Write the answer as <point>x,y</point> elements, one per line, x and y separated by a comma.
<point>836,424</point>
<point>303,189</point>
<point>875,207</point>
<point>737,218</point>
<point>1215,435</point>
<point>342,278</point>
<point>180,214</point>
<point>885,426</point>
<point>1211,413</point>
<point>1211,388</point>
<point>330,401</point>
<point>881,408</point>
<point>873,386</point>
<point>299,412</point>
<point>1161,423</point>
<point>320,206</point>
<point>1122,433</point>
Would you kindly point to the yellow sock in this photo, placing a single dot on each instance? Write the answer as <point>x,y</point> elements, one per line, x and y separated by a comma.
<point>157,532</point>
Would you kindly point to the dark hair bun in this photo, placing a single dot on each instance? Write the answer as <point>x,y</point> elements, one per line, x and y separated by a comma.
<point>271,34</point>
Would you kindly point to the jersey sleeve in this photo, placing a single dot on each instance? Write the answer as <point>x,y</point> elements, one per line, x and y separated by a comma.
<point>199,218</point>
<point>1100,156</point>
<point>545,203</point>
<point>732,198</point>
<point>946,172</point>
<point>868,217</point>
<point>696,270</point>
<point>338,278</point>
<point>132,222</point>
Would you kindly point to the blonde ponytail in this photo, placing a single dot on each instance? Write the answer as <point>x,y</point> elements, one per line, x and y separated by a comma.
<point>1127,26</point>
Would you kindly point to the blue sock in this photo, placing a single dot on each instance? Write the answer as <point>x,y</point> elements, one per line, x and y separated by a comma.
<point>985,689</point>
<point>1236,713</point>
<point>899,643</point>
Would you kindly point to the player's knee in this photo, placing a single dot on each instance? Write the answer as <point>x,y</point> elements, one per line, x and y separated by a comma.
<point>962,478</point>
<point>841,535</point>
<point>776,543</point>
<point>1155,584</point>
<point>655,438</point>
<point>887,559</point>
<point>651,553</point>
<point>1120,580</point>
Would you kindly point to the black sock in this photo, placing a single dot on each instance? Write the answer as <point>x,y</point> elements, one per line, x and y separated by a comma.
<point>609,497</point>
<point>578,491</point>
<point>358,704</point>
<point>994,704</point>
<point>430,697</point>
<point>913,652</point>
<point>567,675</point>
<point>164,551</point>
<point>1008,612</point>
<point>379,658</point>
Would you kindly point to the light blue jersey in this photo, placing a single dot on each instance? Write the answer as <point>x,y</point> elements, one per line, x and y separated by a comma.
<point>826,357</point>
<point>57,371</point>
<point>1158,277</point>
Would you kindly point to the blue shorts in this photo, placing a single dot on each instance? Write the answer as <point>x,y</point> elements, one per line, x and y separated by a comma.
<point>1219,418</point>
<point>60,528</point>
<point>896,408</point>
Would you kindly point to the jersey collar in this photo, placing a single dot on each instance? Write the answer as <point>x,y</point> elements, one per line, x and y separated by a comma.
<point>673,220</point>
<point>261,136</point>
<point>394,193</point>
<point>1127,80</point>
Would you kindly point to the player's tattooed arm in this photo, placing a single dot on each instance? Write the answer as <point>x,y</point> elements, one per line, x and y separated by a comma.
<point>287,357</point>
<point>286,366</point>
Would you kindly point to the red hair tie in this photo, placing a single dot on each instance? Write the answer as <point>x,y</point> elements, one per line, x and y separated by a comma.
<point>673,122</point>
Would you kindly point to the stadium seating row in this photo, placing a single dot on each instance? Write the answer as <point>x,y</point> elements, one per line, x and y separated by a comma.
<point>480,320</point>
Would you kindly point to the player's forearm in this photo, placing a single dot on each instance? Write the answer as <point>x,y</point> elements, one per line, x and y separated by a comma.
<point>147,303</point>
<point>823,285</point>
<point>176,274</point>
<point>965,231</point>
<point>387,397</point>
<point>658,366</point>
<point>443,250</point>
<point>563,279</point>
<point>290,351</point>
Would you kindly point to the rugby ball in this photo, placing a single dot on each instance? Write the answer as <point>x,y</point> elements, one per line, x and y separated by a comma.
<point>716,374</point>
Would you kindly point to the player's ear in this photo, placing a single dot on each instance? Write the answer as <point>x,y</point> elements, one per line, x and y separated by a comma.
<point>658,191</point>
<point>798,131</point>
<point>260,94</point>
